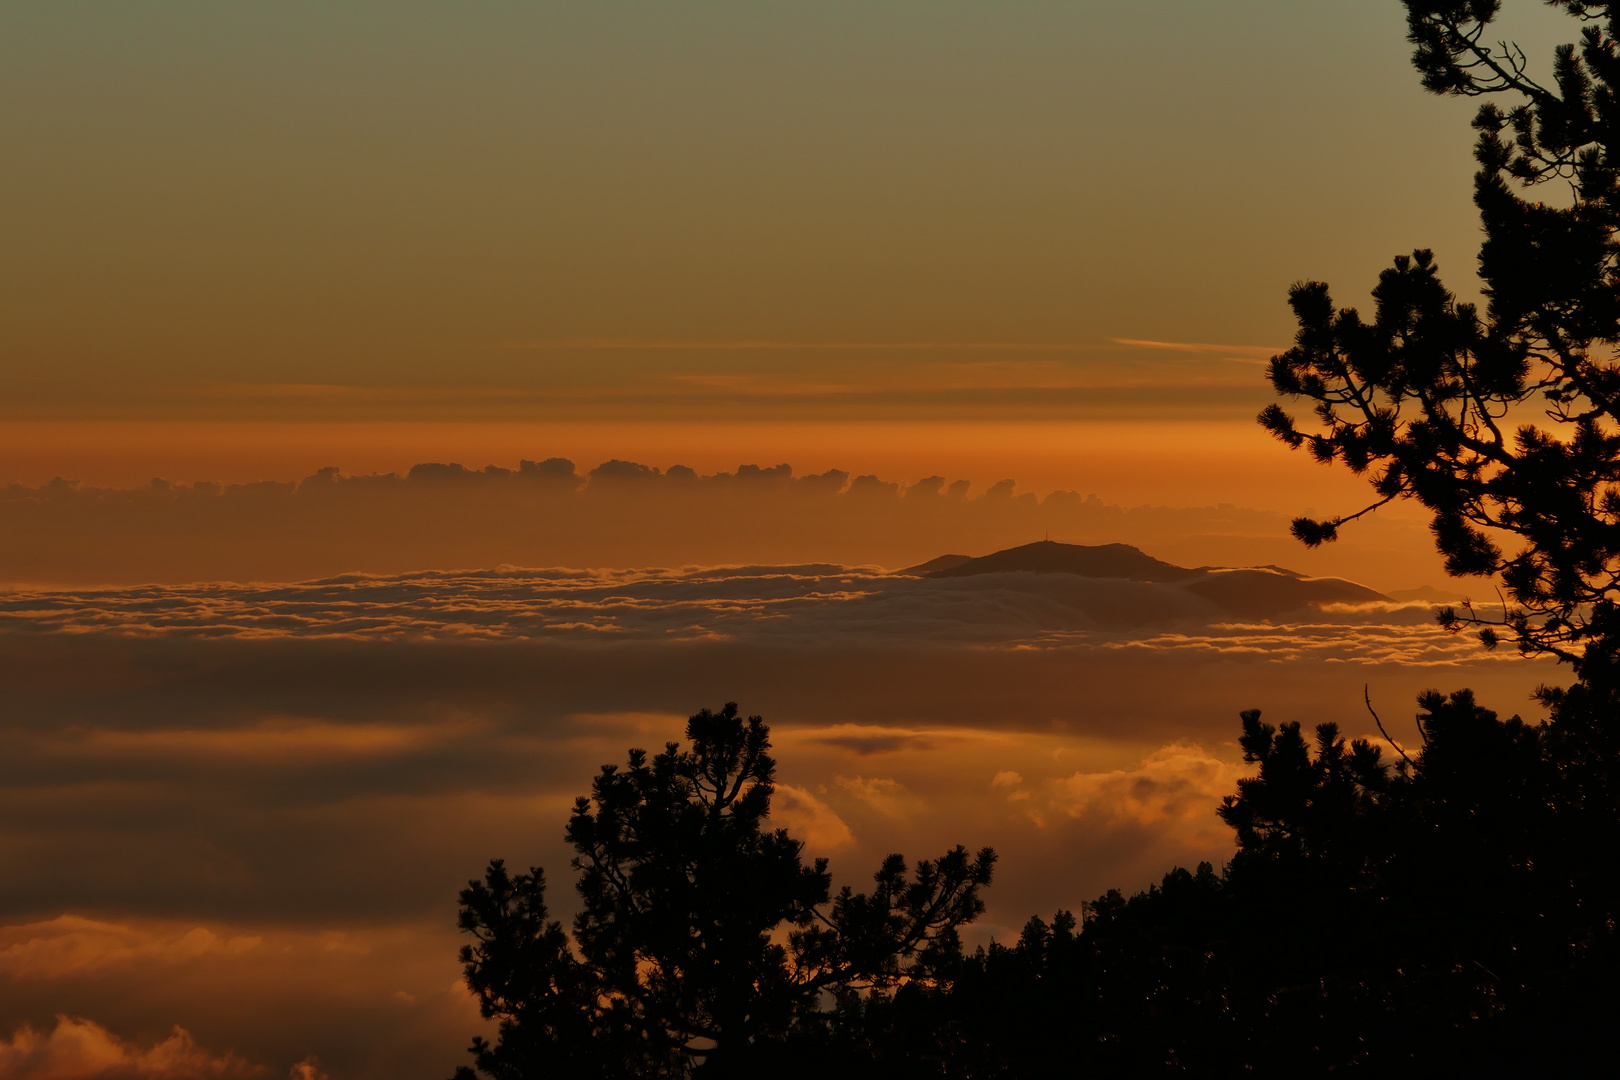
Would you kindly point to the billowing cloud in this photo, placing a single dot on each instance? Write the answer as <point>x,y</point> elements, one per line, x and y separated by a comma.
<point>174,1000</point>
<point>1174,788</point>
<point>78,1049</point>
<point>809,819</point>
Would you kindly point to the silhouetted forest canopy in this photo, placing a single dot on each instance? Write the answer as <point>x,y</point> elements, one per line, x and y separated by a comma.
<point>1450,910</point>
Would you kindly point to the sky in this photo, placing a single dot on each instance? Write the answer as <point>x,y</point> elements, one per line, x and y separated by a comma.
<point>406,408</point>
<point>541,213</point>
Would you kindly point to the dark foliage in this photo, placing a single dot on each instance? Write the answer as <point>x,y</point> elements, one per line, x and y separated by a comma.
<point>1502,423</point>
<point>1444,918</point>
<point>523,972</point>
<point>1453,913</point>
<point>703,942</point>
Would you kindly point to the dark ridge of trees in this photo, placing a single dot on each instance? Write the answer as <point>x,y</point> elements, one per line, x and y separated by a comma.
<point>1450,913</point>
<point>1451,916</point>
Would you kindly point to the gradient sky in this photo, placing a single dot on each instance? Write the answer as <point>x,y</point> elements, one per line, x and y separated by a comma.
<point>1040,241</point>
<point>408,211</point>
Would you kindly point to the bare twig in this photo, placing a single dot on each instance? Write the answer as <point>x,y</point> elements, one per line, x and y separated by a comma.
<point>1367,696</point>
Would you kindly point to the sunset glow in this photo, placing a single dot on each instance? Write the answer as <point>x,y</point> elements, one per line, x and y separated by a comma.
<point>405,409</point>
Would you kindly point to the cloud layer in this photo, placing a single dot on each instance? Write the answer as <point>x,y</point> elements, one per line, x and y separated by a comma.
<point>226,802</point>
<point>804,606</point>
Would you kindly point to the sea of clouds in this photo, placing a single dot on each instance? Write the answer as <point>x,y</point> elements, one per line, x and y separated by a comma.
<point>803,606</point>
<point>220,802</point>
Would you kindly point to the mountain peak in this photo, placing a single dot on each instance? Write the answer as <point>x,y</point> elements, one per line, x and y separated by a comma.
<point>1051,557</point>
<point>1243,592</point>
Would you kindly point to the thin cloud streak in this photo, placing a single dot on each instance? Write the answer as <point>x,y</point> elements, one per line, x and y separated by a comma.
<point>1230,352</point>
<point>615,345</point>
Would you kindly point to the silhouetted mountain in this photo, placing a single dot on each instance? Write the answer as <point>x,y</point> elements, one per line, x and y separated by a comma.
<point>1248,592</point>
<point>1050,557</point>
<point>1430,595</point>
<point>1259,592</point>
<point>929,568</point>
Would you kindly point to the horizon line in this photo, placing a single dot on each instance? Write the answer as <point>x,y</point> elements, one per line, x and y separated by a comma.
<point>616,344</point>
<point>762,345</point>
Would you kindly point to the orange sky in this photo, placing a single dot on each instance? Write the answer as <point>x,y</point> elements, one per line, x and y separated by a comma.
<point>1184,462</point>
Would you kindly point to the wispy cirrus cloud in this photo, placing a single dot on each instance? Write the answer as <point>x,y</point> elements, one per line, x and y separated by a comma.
<point>1257,353</point>
<point>759,345</point>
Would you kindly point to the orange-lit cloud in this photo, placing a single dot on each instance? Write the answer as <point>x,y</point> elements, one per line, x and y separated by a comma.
<point>887,796</point>
<point>1174,789</point>
<point>809,819</point>
<point>172,1000</point>
<point>78,1049</point>
<point>72,945</point>
<point>1244,352</point>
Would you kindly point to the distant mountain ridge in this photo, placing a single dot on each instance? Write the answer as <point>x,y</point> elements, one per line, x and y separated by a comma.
<point>1086,560</point>
<point>932,566</point>
<point>1247,592</point>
